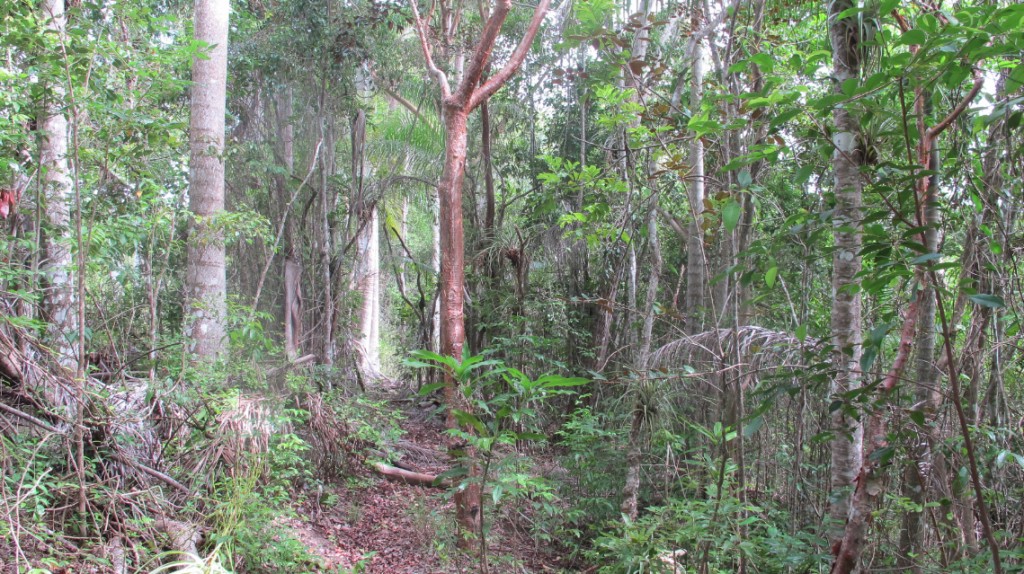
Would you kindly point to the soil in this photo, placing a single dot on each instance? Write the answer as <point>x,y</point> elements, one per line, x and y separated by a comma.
<point>375,525</point>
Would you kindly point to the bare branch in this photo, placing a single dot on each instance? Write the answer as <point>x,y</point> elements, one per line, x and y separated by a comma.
<point>25,416</point>
<point>498,80</point>
<point>405,103</point>
<point>421,31</point>
<point>482,53</point>
<point>959,109</point>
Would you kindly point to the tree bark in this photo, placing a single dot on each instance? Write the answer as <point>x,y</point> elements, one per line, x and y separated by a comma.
<point>367,276</point>
<point>205,275</point>
<point>846,264</point>
<point>696,258</point>
<point>325,244</point>
<point>292,262</point>
<point>470,93</point>
<point>59,302</point>
<point>927,392</point>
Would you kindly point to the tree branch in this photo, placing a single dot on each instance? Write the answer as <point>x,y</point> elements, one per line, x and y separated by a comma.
<point>405,103</point>
<point>496,81</point>
<point>482,53</point>
<point>442,80</point>
<point>959,109</point>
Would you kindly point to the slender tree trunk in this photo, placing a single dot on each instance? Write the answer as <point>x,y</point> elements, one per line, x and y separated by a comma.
<point>325,245</point>
<point>469,94</point>
<point>696,258</point>
<point>928,396</point>
<point>485,152</point>
<point>292,262</point>
<point>60,301</point>
<point>631,490</point>
<point>637,427</point>
<point>205,275</point>
<point>846,264</point>
<point>435,266</point>
<point>368,253</point>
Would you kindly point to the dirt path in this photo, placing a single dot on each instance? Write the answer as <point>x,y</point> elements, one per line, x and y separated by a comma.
<point>387,527</point>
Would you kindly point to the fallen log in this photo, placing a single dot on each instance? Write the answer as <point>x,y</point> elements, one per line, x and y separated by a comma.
<point>301,361</point>
<point>408,476</point>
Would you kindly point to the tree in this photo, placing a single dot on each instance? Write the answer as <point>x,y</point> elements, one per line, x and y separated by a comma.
<point>205,274</point>
<point>470,92</point>
<point>845,35</point>
<point>60,302</point>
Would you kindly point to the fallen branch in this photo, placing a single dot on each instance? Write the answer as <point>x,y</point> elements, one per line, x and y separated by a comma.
<point>408,476</point>
<point>304,360</point>
<point>25,416</point>
<point>152,472</point>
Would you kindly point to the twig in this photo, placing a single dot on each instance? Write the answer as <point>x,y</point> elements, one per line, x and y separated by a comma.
<point>152,472</point>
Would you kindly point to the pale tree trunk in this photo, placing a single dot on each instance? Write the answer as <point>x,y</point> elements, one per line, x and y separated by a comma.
<point>631,490</point>
<point>367,277</point>
<point>916,476</point>
<point>469,93</point>
<point>205,274</point>
<point>696,258</point>
<point>368,285</point>
<point>846,263</point>
<point>60,304</point>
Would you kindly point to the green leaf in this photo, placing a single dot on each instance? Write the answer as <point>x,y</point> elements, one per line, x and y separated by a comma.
<point>914,37</point>
<point>925,258</point>
<point>764,61</point>
<point>918,417</point>
<point>731,215</point>
<point>882,455</point>
<point>467,419</point>
<point>769,276</point>
<point>801,333</point>
<point>427,389</point>
<point>1015,80</point>
<point>990,301</point>
<point>753,426</point>
<point>552,381</point>
<point>745,179</point>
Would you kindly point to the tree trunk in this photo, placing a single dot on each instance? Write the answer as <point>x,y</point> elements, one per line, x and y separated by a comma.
<point>696,258</point>
<point>59,302</point>
<point>292,262</point>
<point>846,263</point>
<point>367,277</point>
<point>469,94</point>
<point>451,294</point>
<point>927,392</point>
<point>325,245</point>
<point>435,266</point>
<point>205,275</point>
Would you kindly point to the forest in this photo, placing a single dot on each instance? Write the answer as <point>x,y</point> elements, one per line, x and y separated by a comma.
<point>574,286</point>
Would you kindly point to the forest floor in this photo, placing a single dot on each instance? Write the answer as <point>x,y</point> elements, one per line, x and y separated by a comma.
<point>368,523</point>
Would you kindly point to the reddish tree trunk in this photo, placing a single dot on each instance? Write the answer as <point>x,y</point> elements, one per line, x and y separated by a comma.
<point>470,93</point>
